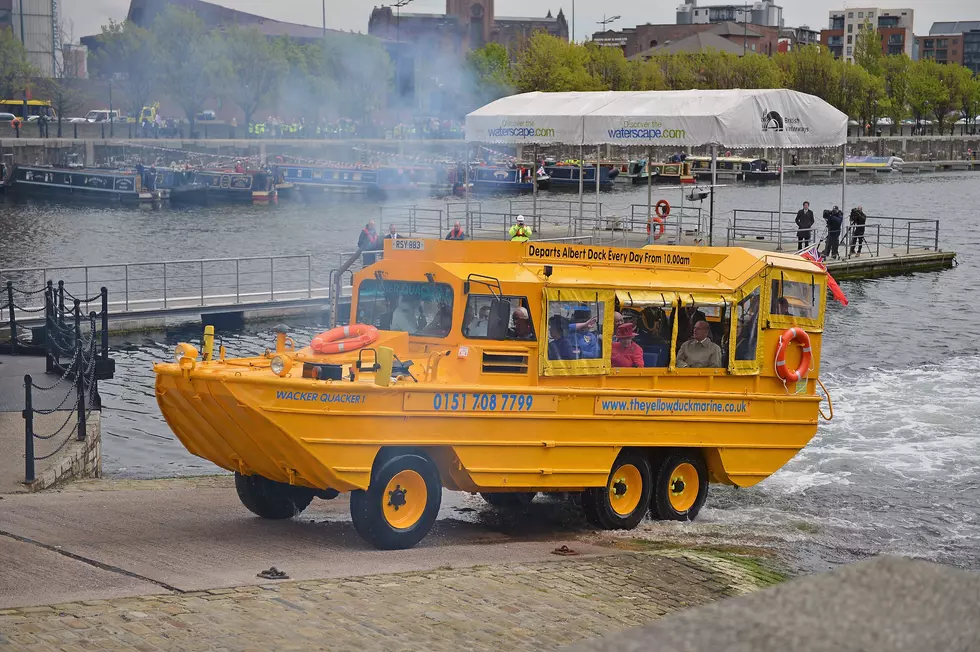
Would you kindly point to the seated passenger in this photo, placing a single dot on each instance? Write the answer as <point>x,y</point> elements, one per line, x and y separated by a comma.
<point>782,306</point>
<point>478,327</point>
<point>586,340</point>
<point>560,347</point>
<point>700,351</point>
<point>626,352</point>
<point>405,317</point>
<point>521,330</point>
<point>441,323</point>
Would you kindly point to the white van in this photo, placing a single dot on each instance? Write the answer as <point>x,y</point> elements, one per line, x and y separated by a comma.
<point>102,115</point>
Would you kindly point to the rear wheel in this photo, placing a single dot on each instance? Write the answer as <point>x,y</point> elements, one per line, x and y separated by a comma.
<point>622,503</point>
<point>681,486</point>
<point>271,499</point>
<point>513,500</point>
<point>400,506</point>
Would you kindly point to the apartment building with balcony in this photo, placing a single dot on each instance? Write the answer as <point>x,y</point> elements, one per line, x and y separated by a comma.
<point>952,42</point>
<point>894,26</point>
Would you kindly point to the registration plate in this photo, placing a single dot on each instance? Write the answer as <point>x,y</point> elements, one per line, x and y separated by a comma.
<point>406,244</point>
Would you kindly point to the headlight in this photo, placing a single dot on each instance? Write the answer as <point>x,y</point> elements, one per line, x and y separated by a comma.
<point>281,364</point>
<point>185,350</point>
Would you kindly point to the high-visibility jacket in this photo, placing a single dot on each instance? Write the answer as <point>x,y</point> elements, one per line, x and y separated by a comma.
<point>520,233</point>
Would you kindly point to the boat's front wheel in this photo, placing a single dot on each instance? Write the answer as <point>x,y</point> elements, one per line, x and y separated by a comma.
<point>681,486</point>
<point>271,499</point>
<point>622,503</point>
<point>399,507</point>
<point>509,500</point>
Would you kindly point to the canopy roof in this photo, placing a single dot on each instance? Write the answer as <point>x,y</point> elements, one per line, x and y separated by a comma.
<point>776,118</point>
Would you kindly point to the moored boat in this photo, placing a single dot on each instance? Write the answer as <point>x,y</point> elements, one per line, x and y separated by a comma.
<point>485,178</point>
<point>232,185</point>
<point>875,163</point>
<point>566,174</point>
<point>734,167</point>
<point>80,183</point>
<point>661,172</point>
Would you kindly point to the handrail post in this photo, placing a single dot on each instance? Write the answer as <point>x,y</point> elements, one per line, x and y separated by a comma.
<point>936,241</point>
<point>908,238</point>
<point>202,282</point>
<point>127,286</point>
<point>61,302</point>
<point>238,281</point>
<point>80,389</point>
<point>28,415</point>
<point>309,276</point>
<point>165,286</point>
<point>86,285</point>
<point>78,322</point>
<point>272,278</point>
<point>105,322</point>
<point>13,318</point>
<point>48,318</point>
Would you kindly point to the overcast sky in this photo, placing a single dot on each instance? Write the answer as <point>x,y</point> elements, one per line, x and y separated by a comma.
<point>88,15</point>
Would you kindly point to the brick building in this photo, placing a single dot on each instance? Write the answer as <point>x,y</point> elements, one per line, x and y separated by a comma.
<point>894,26</point>
<point>952,42</point>
<point>642,39</point>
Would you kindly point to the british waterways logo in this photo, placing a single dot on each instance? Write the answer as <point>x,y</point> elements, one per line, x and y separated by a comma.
<point>772,121</point>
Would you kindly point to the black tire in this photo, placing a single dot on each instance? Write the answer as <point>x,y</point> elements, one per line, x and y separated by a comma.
<point>512,500</point>
<point>368,508</point>
<point>271,499</point>
<point>672,480</point>
<point>600,503</point>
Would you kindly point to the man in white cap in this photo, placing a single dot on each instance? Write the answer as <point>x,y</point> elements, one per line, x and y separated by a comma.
<point>520,232</point>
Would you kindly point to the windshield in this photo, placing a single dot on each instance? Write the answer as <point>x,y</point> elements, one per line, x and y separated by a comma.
<point>413,307</point>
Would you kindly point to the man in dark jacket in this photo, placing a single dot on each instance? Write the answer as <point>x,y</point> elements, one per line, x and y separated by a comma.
<point>835,219</point>
<point>858,218</point>
<point>804,222</point>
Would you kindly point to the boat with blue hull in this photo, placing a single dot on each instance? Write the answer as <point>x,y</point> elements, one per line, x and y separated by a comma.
<point>566,176</point>
<point>506,179</point>
<point>311,179</point>
<point>80,183</point>
<point>237,185</point>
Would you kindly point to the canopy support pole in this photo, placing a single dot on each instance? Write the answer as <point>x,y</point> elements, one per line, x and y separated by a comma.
<point>581,186</point>
<point>646,166</point>
<point>843,196</point>
<point>598,213</point>
<point>714,182</point>
<point>466,191</point>
<point>534,190</point>
<point>779,215</point>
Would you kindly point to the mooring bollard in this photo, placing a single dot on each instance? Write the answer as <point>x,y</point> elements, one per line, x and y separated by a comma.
<point>105,322</point>
<point>28,414</point>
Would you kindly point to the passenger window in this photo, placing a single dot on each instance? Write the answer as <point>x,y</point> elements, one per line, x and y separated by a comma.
<point>795,299</point>
<point>702,336</point>
<point>747,326</point>
<point>575,330</point>
<point>654,328</point>
<point>498,318</point>
<point>413,307</point>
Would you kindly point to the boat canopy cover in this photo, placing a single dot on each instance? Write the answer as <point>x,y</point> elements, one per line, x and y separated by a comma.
<point>776,118</point>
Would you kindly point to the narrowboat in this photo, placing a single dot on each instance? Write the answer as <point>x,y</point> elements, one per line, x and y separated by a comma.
<point>181,186</point>
<point>231,185</point>
<point>94,184</point>
<point>662,172</point>
<point>874,163</point>
<point>507,179</point>
<point>566,175</point>
<point>311,179</point>
<point>734,167</point>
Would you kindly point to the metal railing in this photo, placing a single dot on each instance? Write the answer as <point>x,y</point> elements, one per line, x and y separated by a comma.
<point>556,211</point>
<point>189,283</point>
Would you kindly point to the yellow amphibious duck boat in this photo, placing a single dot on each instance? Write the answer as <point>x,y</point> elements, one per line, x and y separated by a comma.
<point>494,367</point>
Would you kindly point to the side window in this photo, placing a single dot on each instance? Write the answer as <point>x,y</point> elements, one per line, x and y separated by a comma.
<point>575,330</point>
<point>654,328</point>
<point>702,336</point>
<point>414,307</point>
<point>795,299</point>
<point>747,326</point>
<point>498,318</point>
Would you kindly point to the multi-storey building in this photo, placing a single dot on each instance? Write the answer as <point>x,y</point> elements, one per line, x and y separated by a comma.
<point>952,42</point>
<point>894,26</point>
<point>763,12</point>
<point>35,24</point>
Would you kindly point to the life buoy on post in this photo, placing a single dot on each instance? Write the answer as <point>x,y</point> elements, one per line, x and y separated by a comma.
<point>660,227</point>
<point>345,338</point>
<point>790,375</point>
<point>663,208</point>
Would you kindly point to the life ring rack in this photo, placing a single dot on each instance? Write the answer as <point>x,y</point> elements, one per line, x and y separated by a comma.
<point>345,338</point>
<point>793,375</point>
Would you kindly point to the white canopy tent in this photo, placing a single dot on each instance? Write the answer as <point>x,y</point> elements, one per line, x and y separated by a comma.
<point>760,118</point>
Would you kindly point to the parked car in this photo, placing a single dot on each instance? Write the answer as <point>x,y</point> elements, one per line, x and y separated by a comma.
<point>206,115</point>
<point>6,117</point>
<point>73,121</point>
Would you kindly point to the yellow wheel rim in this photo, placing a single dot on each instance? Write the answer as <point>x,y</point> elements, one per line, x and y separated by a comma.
<point>684,487</point>
<point>625,489</point>
<point>404,499</point>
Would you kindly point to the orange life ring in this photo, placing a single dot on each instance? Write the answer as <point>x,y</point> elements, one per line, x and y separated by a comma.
<point>660,224</point>
<point>663,208</point>
<point>345,338</point>
<point>789,375</point>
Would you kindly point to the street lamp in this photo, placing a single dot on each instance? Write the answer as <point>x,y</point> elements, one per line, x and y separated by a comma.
<point>605,21</point>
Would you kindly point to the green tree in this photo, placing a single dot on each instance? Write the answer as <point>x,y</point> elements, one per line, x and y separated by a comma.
<point>609,67</point>
<point>15,68</point>
<point>189,59</point>
<point>971,103</point>
<point>256,67</point>
<point>956,80</point>
<point>812,70</point>
<point>648,75</point>
<point>552,64</point>
<point>756,71</point>
<point>926,90</point>
<point>361,72</point>
<point>488,74</point>
<point>127,55</point>
<point>867,49</point>
<point>897,72</point>
<point>680,71</point>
